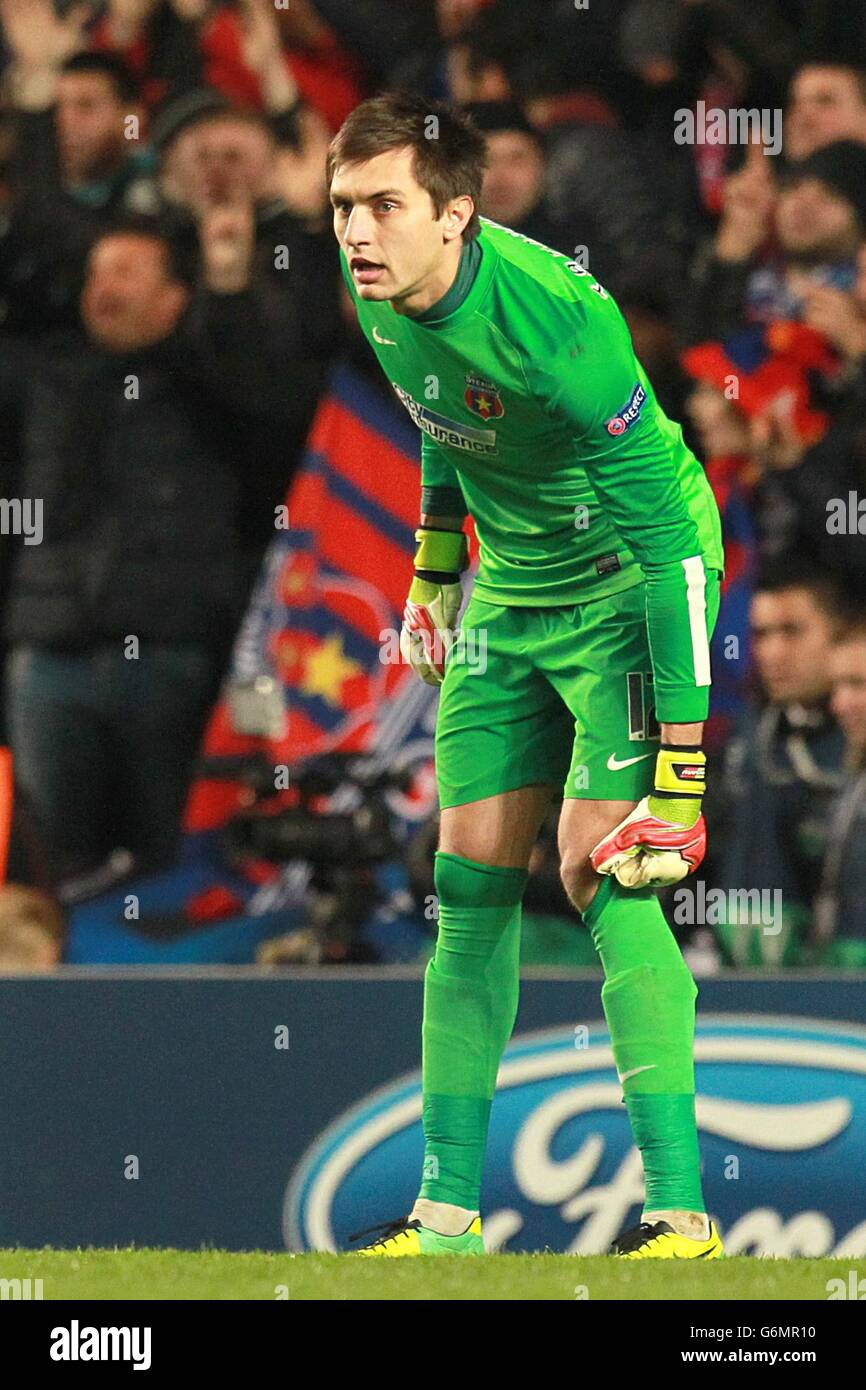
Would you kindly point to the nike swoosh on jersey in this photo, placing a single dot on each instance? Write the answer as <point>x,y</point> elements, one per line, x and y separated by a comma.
<point>388,342</point>
<point>614,764</point>
<point>633,1071</point>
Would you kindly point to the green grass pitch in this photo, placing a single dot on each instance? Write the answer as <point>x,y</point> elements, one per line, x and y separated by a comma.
<point>218,1274</point>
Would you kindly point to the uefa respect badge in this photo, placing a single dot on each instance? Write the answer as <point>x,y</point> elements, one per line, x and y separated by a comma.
<point>629,413</point>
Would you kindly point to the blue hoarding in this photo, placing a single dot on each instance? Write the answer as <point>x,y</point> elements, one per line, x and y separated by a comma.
<point>246,1111</point>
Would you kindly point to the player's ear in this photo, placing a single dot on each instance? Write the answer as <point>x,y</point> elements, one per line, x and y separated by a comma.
<point>457,215</point>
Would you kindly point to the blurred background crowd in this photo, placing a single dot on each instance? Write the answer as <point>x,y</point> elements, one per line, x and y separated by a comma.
<point>171,314</point>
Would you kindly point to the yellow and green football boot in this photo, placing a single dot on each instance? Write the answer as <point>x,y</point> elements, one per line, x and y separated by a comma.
<point>656,1240</point>
<point>405,1237</point>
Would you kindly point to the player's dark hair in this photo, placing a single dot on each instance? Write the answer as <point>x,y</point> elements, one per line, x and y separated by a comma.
<point>450,154</point>
<point>126,87</point>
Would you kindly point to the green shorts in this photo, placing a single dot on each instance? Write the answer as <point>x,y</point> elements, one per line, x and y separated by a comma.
<point>557,695</point>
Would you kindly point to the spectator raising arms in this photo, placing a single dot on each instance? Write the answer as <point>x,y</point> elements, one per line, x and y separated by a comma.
<point>817,216</point>
<point>80,159</point>
<point>174,45</point>
<point>152,438</point>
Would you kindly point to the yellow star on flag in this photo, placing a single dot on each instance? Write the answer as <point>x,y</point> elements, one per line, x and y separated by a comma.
<point>327,668</point>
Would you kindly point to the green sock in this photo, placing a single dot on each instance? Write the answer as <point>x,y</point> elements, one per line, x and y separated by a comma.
<point>649,1003</point>
<point>470,1004</point>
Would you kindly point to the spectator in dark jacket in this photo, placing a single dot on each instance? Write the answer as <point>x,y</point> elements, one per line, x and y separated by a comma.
<point>814,485</point>
<point>820,494</point>
<point>80,160</point>
<point>838,933</point>
<point>158,446</point>
<point>211,156</point>
<point>781,771</point>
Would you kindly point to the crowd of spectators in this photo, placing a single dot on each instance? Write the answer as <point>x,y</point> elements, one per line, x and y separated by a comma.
<point>170,305</point>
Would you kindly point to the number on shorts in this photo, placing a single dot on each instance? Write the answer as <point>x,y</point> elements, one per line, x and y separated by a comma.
<point>642,722</point>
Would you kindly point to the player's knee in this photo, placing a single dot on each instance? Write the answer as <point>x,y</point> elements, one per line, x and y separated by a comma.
<point>579,879</point>
<point>470,837</point>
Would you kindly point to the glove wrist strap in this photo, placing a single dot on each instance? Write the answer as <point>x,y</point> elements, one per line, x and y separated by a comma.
<point>680,772</point>
<point>438,577</point>
<point>441,554</point>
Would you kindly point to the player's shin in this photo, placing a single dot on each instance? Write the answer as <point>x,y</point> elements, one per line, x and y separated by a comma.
<point>470,1003</point>
<point>649,1003</point>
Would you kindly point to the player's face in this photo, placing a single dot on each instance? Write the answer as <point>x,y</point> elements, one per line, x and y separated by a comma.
<point>847,665</point>
<point>791,641</point>
<point>395,246</point>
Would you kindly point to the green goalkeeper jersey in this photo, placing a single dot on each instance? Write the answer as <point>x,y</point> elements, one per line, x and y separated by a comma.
<point>534,408</point>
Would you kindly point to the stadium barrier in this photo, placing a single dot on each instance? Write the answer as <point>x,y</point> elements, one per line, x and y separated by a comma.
<point>202,1107</point>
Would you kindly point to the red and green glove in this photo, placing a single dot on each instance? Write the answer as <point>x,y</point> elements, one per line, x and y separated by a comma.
<point>665,836</point>
<point>435,595</point>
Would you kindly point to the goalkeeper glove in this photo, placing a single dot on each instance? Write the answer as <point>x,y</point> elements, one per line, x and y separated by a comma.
<point>665,836</point>
<point>435,595</point>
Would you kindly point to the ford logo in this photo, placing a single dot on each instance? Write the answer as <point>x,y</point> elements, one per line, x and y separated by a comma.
<point>781,1107</point>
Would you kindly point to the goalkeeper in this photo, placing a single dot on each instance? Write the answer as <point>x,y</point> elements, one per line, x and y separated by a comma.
<point>596,594</point>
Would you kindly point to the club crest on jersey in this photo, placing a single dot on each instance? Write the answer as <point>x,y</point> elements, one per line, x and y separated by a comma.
<point>629,413</point>
<point>483,398</point>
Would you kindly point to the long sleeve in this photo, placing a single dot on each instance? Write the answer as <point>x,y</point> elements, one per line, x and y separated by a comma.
<point>441,494</point>
<point>629,449</point>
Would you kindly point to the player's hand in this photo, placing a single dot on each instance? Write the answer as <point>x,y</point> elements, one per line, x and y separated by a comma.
<point>430,615</point>
<point>429,627</point>
<point>665,836</point>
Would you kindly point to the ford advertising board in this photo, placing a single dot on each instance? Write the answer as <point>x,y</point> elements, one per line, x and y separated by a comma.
<point>781,1107</point>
